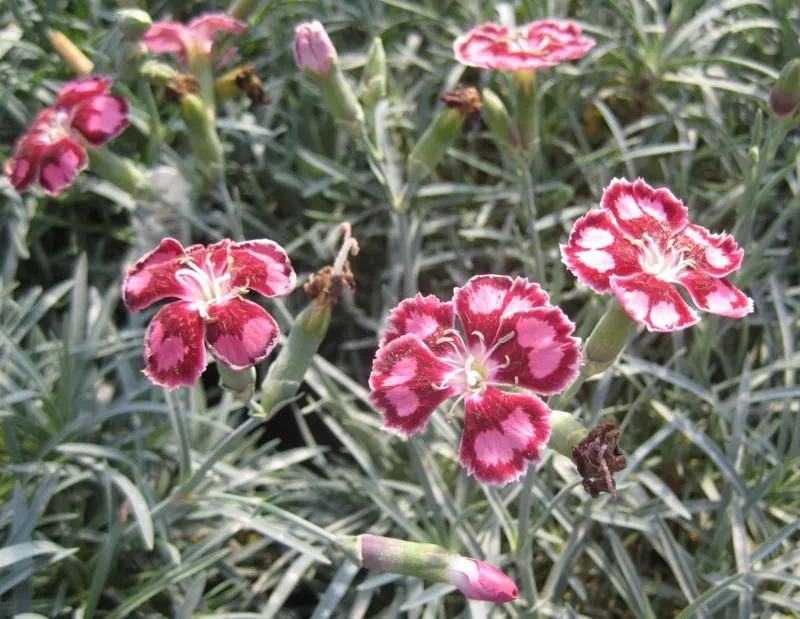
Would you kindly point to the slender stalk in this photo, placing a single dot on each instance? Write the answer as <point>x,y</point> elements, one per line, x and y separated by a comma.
<point>530,214</point>
<point>524,563</point>
<point>178,424</point>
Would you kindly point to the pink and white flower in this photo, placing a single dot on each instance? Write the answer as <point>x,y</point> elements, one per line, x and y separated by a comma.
<point>195,39</point>
<point>210,283</point>
<point>639,244</point>
<point>53,151</point>
<point>313,50</point>
<point>539,45</point>
<point>511,341</point>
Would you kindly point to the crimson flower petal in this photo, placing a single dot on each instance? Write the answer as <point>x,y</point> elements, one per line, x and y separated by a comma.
<point>653,302</point>
<point>101,118</point>
<point>639,209</point>
<point>152,278</point>
<point>262,266</point>
<point>204,27</point>
<point>408,383</point>
<point>485,299</point>
<point>715,254</point>
<point>597,249</point>
<point>240,333</point>
<point>542,355</point>
<point>60,164</point>
<point>717,296</point>
<point>503,432</point>
<point>77,91</point>
<point>174,344</point>
<point>426,317</point>
<point>167,37</point>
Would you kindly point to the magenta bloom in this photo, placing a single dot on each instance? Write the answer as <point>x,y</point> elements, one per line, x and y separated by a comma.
<point>481,581</point>
<point>639,244</point>
<point>539,45</point>
<point>313,49</point>
<point>210,283</point>
<point>192,40</point>
<point>53,151</point>
<point>511,337</point>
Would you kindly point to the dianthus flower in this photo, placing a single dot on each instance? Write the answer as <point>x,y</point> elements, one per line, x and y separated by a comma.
<point>639,244</point>
<point>195,39</point>
<point>539,45</point>
<point>511,341</point>
<point>312,48</point>
<point>210,283</point>
<point>53,151</point>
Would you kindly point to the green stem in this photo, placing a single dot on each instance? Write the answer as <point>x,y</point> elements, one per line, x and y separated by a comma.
<point>526,108</point>
<point>558,401</point>
<point>530,214</point>
<point>407,243</point>
<point>179,428</point>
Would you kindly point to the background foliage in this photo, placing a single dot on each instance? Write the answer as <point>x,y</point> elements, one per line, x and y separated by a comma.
<point>106,513</point>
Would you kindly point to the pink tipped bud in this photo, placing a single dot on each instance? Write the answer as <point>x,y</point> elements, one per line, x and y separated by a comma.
<point>481,581</point>
<point>475,579</point>
<point>313,49</point>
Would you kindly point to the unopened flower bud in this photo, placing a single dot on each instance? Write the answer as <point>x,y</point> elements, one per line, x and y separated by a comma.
<point>313,50</point>
<point>157,73</point>
<point>203,137</point>
<point>133,23</point>
<point>596,453</point>
<point>784,98</point>
<point>375,74</point>
<point>74,57</point>
<point>463,106</point>
<point>498,120</point>
<point>475,579</point>
<point>607,339</point>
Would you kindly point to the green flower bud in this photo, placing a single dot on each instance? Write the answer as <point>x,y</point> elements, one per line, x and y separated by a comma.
<point>463,106</point>
<point>607,339</point>
<point>784,98</point>
<point>157,73</point>
<point>498,120</point>
<point>203,137</point>
<point>120,171</point>
<point>375,74</point>
<point>133,23</point>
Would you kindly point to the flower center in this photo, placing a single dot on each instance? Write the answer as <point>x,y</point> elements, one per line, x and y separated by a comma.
<point>473,367</point>
<point>665,264</point>
<point>207,286</point>
<point>59,127</point>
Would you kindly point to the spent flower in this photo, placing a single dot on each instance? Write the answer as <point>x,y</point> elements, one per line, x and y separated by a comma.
<point>512,342</point>
<point>54,150</point>
<point>639,244</point>
<point>538,45</point>
<point>210,284</point>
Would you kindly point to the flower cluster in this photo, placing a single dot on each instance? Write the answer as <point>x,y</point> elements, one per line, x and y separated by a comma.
<point>210,283</point>
<point>539,45</point>
<point>639,244</point>
<point>512,344</point>
<point>53,151</point>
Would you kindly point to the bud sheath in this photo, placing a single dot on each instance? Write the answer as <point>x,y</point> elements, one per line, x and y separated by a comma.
<point>784,98</point>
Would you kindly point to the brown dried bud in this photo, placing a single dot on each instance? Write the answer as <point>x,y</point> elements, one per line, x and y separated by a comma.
<point>250,84</point>
<point>180,86</point>
<point>467,101</point>
<point>328,283</point>
<point>598,457</point>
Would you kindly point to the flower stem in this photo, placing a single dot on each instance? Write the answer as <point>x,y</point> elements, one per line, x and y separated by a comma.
<point>530,214</point>
<point>179,427</point>
<point>526,108</point>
